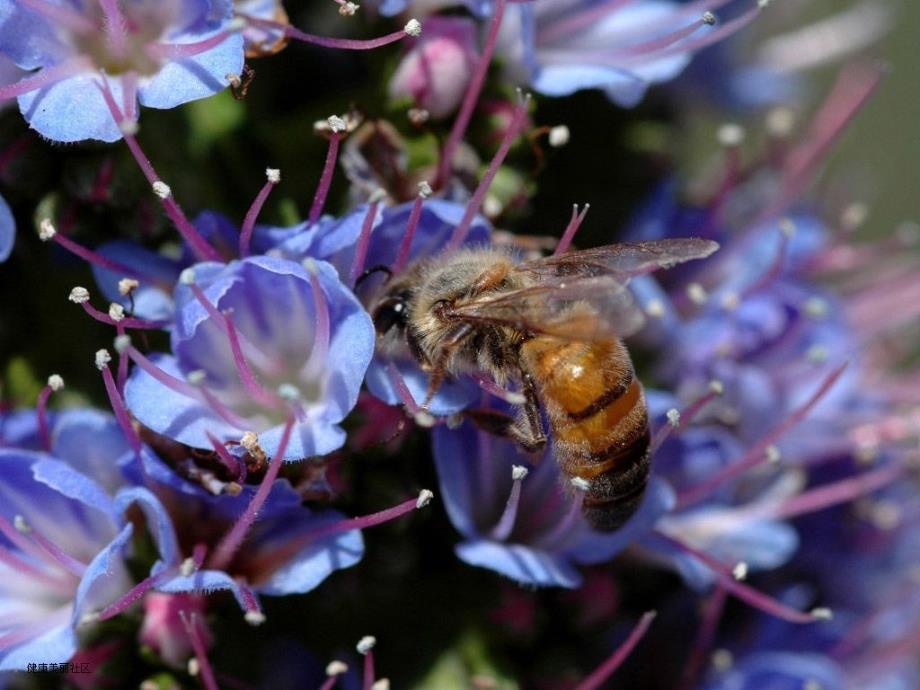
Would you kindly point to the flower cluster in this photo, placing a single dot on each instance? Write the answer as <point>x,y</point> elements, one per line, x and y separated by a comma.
<point>276,389</point>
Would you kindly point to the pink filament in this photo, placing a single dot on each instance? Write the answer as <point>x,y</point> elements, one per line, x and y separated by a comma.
<point>686,418</point>
<point>190,621</point>
<point>249,222</point>
<point>60,14</point>
<point>492,388</point>
<point>402,257</point>
<point>115,27</point>
<point>325,180</point>
<point>369,674</point>
<point>230,462</point>
<point>46,77</point>
<point>505,524</point>
<point>202,250</point>
<point>23,543</point>
<point>565,526</point>
<point>121,412</point>
<point>566,240</point>
<point>97,259</point>
<point>319,353</point>
<point>327,42</point>
<point>756,454</point>
<point>41,409</point>
<point>704,638</point>
<point>471,96</point>
<point>61,557</point>
<point>472,208</point>
<point>180,51</point>
<point>176,384</point>
<point>607,669</point>
<point>123,361</point>
<point>364,240</point>
<point>127,322</point>
<point>402,390</point>
<point>231,542</point>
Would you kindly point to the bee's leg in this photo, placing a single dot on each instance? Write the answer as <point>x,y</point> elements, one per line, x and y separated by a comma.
<point>525,429</point>
<point>438,371</point>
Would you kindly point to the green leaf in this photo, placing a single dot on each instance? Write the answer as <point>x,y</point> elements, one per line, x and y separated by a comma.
<point>22,386</point>
<point>210,119</point>
<point>468,664</point>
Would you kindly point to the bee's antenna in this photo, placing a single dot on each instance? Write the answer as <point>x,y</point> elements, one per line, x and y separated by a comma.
<point>371,271</point>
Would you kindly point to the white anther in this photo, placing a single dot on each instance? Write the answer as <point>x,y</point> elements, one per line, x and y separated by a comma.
<point>454,421</point>
<point>413,28</point>
<point>196,377</point>
<point>89,617</point>
<point>817,354</point>
<point>581,483</point>
<point>19,522</point>
<point>518,472</point>
<point>762,4</point>
<point>188,567</point>
<point>696,293</point>
<point>378,195</point>
<point>79,295</point>
<point>254,618</point>
<point>722,660</point>
<point>129,127</point>
<point>812,684</point>
<point>273,175</point>
<point>424,189</point>
<point>740,571</point>
<point>816,307</point>
<point>187,277</point>
<point>289,392</point>
<point>122,343</point>
<point>366,644</point>
<point>116,312</point>
<point>418,116</point>
<point>127,285</point>
<point>46,230</point>
<point>102,359</point>
<point>382,684</point>
<point>822,613</point>
<point>709,18</point>
<point>336,668</point>
<point>655,308</point>
<point>559,136</point>
<point>424,498</point>
<point>336,123</point>
<point>249,441</point>
<point>424,419</point>
<point>787,227</point>
<point>731,134</point>
<point>730,301</point>
<point>885,515</point>
<point>161,189</point>
<point>236,25</point>
<point>193,667</point>
<point>780,122</point>
<point>309,265</point>
<point>716,387</point>
<point>772,454</point>
<point>854,216</point>
<point>55,382</point>
<point>673,417</point>
<point>234,80</point>
<point>348,9</point>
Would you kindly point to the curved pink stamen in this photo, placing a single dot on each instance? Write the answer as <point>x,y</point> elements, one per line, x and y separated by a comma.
<point>364,241</point>
<point>607,669</point>
<point>60,14</point>
<point>574,223</point>
<point>180,51</point>
<point>325,180</point>
<point>46,77</point>
<point>192,629</point>
<point>341,43</point>
<point>402,257</point>
<point>249,222</point>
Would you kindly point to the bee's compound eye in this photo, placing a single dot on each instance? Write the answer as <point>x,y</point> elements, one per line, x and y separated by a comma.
<point>391,312</point>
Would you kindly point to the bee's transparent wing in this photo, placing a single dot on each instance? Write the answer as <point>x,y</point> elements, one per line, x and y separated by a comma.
<point>619,261</point>
<point>582,309</point>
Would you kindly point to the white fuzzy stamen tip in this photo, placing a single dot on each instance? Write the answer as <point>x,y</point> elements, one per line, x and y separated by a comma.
<point>518,472</point>
<point>673,417</point>
<point>55,382</point>
<point>817,354</point>
<point>772,453</point>
<point>236,25</point>
<point>196,377</point>
<point>336,668</point>
<point>19,522</point>
<point>655,308</point>
<point>731,134</point>
<point>188,567</point>
<point>336,123</point>
<point>424,498</point>
<point>193,667</point>
<point>187,277</point>
<point>249,441</point>
<point>366,644</point>
<point>722,660</point>
<point>46,230</point>
<point>161,189</point>
<point>822,614</point>
<point>424,419</point>
<point>730,301</point>
<point>254,618</point>
<point>740,571</point>
<point>273,175</point>
<point>559,136</point>
<point>348,9</point>
<point>787,227</point>
<point>127,285</point>
<point>413,28</point>
<point>709,18</point>
<point>79,295</point>
<point>122,343</point>
<point>89,617</point>
<point>424,189</point>
<point>382,684</point>
<point>102,359</point>
<point>129,127</point>
<point>116,312</point>
<point>696,293</point>
<point>716,387</point>
<point>289,392</point>
<point>816,307</point>
<point>581,483</point>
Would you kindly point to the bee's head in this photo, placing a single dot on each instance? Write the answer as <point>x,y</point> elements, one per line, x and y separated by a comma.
<point>392,310</point>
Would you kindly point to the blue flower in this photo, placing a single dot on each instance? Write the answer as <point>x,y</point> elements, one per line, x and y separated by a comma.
<point>162,54</point>
<point>7,230</point>
<point>780,671</point>
<point>515,515</point>
<point>250,339</point>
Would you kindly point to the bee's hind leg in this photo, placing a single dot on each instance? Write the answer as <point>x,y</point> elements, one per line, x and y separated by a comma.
<point>525,429</point>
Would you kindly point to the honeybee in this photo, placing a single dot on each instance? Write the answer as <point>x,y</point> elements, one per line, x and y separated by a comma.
<point>553,326</point>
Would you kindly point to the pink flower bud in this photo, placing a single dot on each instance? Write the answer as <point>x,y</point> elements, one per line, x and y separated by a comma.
<point>162,629</point>
<point>436,70</point>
